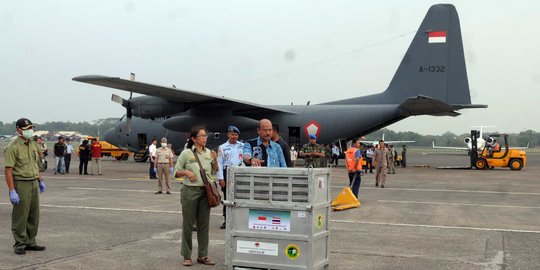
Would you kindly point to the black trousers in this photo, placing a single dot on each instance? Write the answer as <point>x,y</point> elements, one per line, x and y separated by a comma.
<point>151,171</point>
<point>83,164</point>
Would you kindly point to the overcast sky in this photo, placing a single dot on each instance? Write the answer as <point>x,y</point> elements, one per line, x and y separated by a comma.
<point>267,52</point>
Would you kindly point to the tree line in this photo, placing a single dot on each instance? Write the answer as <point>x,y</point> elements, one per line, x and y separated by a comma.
<point>447,139</point>
<point>86,128</point>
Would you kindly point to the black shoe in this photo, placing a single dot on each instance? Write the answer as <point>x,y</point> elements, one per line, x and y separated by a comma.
<point>35,248</point>
<point>158,192</point>
<point>223,226</point>
<point>86,174</point>
<point>194,228</point>
<point>382,186</point>
<point>19,251</point>
<point>168,192</point>
<point>376,184</point>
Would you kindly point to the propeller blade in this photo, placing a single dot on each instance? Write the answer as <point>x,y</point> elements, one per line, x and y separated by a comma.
<point>118,99</point>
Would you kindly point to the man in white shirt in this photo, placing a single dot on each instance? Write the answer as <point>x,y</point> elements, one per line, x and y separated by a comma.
<point>69,151</point>
<point>152,149</point>
<point>230,154</point>
<point>335,155</point>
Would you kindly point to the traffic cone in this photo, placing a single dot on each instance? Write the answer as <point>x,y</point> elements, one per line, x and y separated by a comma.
<point>345,200</point>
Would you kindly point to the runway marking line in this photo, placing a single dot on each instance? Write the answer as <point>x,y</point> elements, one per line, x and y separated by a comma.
<point>451,190</point>
<point>462,204</point>
<point>434,226</point>
<point>331,220</point>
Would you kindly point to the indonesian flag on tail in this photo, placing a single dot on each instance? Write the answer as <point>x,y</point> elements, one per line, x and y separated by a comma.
<point>437,37</point>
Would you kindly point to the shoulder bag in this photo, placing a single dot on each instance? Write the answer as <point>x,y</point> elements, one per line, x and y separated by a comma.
<point>212,193</point>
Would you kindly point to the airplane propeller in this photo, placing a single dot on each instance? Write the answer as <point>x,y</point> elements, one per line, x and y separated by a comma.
<point>129,110</point>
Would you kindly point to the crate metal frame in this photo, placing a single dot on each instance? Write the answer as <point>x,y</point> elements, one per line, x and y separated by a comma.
<point>300,194</point>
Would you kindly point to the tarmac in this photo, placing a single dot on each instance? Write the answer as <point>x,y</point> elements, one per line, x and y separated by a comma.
<point>425,218</point>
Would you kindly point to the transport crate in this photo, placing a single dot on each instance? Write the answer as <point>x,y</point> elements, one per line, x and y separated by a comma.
<point>277,218</point>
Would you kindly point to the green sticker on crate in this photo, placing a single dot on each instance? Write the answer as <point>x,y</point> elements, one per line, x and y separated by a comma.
<point>319,221</point>
<point>292,251</point>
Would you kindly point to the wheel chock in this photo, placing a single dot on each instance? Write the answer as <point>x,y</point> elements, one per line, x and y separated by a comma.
<point>345,200</point>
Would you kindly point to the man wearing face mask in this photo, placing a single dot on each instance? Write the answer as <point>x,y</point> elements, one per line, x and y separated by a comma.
<point>22,157</point>
<point>164,166</point>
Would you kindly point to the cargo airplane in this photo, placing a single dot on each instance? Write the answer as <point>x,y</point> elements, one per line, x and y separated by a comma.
<point>430,80</point>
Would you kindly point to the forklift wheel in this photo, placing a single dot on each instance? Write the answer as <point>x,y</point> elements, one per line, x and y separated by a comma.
<point>480,164</point>
<point>516,164</point>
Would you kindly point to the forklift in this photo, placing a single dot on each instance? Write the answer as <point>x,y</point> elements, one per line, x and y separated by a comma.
<point>487,158</point>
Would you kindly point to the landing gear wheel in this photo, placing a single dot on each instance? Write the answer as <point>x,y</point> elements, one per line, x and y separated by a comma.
<point>480,164</point>
<point>515,164</point>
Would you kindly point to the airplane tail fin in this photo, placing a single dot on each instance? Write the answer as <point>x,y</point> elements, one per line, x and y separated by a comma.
<point>433,67</point>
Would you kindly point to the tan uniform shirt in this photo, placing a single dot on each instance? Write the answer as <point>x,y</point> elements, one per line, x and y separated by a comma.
<point>163,155</point>
<point>381,157</point>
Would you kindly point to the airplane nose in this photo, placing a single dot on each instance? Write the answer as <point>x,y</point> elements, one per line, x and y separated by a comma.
<point>109,136</point>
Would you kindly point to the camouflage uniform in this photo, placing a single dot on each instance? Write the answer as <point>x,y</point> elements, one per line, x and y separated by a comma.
<point>315,162</point>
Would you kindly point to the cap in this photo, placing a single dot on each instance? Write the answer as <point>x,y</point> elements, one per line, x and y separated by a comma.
<point>233,129</point>
<point>24,124</point>
<point>313,136</point>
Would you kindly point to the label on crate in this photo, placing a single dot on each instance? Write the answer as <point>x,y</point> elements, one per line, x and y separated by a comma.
<point>292,251</point>
<point>256,248</point>
<point>269,220</point>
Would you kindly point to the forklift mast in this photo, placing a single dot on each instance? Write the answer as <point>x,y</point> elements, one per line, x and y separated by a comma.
<point>474,146</point>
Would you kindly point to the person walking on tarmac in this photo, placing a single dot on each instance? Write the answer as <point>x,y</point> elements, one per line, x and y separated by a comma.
<point>313,153</point>
<point>404,156</point>
<point>369,159</point>
<point>59,154</point>
<point>84,156</point>
<point>391,160</point>
<point>353,163</point>
<point>262,151</point>
<point>230,154</point>
<point>22,158</point>
<point>69,152</point>
<point>381,158</point>
<point>152,157</point>
<point>95,148</point>
<point>164,166</point>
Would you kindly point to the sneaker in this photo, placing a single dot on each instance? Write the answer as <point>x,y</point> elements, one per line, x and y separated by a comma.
<point>382,186</point>
<point>223,226</point>
<point>158,192</point>
<point>168,192</point>
<point>376,184</point>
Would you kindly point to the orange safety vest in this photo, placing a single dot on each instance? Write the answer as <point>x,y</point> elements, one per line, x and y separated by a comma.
<point>350,159</point>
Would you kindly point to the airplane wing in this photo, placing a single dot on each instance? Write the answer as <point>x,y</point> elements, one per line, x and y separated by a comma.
<point>385,142</point>
<point>450,147</point>
<point>391,142</point>
<point>178,95</point>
